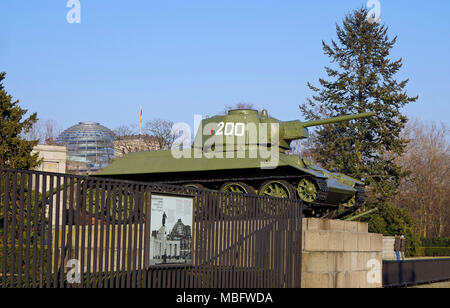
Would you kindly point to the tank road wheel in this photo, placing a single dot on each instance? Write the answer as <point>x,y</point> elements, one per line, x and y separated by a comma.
<point>232,205</point>
<point>237,187</point>
<point>278,189</point>
<point>350,202</point>
<point>307,190</point>
<point>194,185</point>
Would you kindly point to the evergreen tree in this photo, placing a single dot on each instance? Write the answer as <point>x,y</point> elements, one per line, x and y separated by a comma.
<point>361,80</point>
<point>15,151</point>
<point>390,220</point>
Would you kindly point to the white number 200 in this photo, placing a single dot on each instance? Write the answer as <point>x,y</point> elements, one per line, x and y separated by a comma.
<point>231,129</point>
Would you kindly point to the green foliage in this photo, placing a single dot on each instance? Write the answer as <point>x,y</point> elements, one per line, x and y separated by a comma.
<point>122,203</point>
<point>26,266</point>
<point>363,80</point>
<point>389,220</point>
<point>436,242</point>
<point>434,251</point>
<point>27,212</point>
<point>435,247</point>
<point>15,151</point>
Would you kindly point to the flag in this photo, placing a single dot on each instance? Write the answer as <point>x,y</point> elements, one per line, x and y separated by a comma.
<point>140,118</point>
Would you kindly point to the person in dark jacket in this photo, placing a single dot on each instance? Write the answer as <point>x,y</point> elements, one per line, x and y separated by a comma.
<point>397,247</point>
<point>402,246</point>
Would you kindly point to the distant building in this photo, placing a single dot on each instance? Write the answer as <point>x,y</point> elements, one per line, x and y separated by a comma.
<point>89,147</point>
<point>135,143</point>
<point>53,158</point>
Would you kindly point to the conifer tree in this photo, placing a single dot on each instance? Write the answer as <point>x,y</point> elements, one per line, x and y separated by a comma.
<point>361,79</point>
<point>15,151</point>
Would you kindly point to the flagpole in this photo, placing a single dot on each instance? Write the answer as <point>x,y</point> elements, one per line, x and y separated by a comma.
<point>140,122</point>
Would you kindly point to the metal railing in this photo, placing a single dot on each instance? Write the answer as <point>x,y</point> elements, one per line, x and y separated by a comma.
<point>416,271</point>
<point>54,227</point>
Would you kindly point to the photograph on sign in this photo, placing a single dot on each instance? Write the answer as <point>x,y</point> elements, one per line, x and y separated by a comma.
<point>171,230</point>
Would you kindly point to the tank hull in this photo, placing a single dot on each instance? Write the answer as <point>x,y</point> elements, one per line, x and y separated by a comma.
<point>213,173</point>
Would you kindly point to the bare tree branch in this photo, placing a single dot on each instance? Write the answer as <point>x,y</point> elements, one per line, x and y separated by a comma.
<point>424,193</point>
<point>44,131</point>
<point>161,130</point>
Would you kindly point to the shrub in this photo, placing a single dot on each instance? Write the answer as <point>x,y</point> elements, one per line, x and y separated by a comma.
<point>435,251</point>
<point>436,242</point>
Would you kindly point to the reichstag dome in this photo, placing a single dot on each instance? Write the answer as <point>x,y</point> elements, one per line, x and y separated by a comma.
<point>89,144</point>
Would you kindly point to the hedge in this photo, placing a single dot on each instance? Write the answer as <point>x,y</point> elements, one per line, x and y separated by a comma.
<point>434,251</point>
<point>436,242</point>
<point>33,261</point>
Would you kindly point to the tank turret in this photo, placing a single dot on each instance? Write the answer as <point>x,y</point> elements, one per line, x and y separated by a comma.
<point>244,128</point>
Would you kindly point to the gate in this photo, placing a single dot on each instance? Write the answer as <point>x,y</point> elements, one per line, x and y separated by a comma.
<point>61,230</point>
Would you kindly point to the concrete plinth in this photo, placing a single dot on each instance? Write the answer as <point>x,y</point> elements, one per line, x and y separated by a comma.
<point>388,248</point>
<point>340,254</point>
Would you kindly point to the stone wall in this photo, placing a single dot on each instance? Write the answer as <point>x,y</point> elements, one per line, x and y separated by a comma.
<point>388,248</point>
<point>340,254</point>
<point>135,143</point>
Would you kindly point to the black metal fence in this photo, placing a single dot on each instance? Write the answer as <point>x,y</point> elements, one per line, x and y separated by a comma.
<point>60,230</point>
<point>413,272</point>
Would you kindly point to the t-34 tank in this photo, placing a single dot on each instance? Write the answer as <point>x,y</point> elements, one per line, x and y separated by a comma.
<point>245,152</point>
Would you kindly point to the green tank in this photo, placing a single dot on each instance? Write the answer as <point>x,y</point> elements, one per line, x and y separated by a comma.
<point>246,151</point>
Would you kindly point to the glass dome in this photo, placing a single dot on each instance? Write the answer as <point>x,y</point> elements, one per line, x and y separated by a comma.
<point>88,143</point>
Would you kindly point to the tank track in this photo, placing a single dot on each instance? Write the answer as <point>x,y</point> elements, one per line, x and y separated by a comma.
<point>319,204</point>
<point>360,197</point>
<point>323,189</point>
<point>321,183</point>
<point>341,213</point>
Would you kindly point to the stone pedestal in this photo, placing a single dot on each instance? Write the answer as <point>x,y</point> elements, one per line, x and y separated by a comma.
<point>388,248</point>
<point>340,254</point>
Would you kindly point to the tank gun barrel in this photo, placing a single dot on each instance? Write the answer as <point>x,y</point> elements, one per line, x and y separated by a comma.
<point>293,130</point>
<point>338,119</point>
<point>361,215</point>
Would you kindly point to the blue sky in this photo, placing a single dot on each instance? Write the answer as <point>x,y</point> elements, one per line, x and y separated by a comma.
<point>180,58</point>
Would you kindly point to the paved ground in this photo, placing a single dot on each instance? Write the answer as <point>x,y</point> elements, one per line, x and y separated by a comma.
<point>419,258</point>
<point>437,285</point>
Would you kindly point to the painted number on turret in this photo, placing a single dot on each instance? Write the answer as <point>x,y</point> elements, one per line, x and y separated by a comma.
<point>231,129</point>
